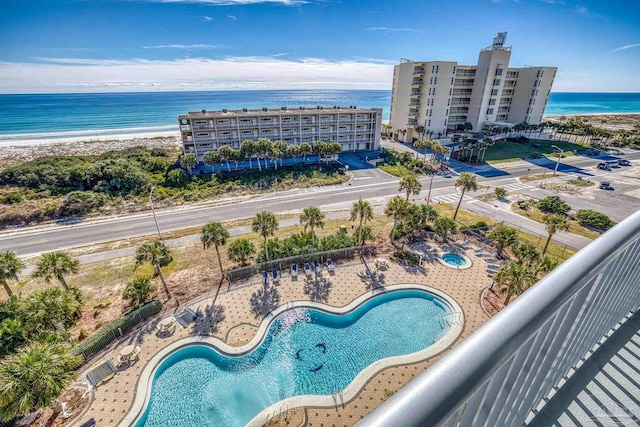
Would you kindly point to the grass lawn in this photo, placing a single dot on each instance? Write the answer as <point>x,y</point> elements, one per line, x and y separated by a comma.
<point>574,227</point>
<point>509,151</point>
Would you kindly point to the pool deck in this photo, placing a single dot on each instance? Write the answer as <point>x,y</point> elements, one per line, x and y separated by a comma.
<point>232,321</point>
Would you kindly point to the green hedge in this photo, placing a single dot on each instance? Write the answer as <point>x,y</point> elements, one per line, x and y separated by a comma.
<point>116,328</point>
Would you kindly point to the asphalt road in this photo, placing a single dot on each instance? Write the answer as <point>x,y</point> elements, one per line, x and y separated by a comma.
<point>370,184</point>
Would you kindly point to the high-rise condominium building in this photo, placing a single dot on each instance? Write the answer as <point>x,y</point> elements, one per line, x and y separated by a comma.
<point>355,128</point>
<point>442,96</point>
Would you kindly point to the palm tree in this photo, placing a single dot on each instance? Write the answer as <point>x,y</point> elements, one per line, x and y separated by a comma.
<point>465,182</point>
<point>188,161</point>
<point>226,153</point>
<point>545,264</point>
<point>214,234</point>
<point>526,252</point>
<point>410,185</point>
<point>263,147</point>
<point>397,208</point>
<point>248,148</point>
<point>554,223</point>
<point>139,290</point>
<point>211,158</point>
<point>304,149</point>
<point>241,251</point>
<point>154,253</point>
<point>56,265</point>
<point>34,377</point>
<point>237,156</point>
<point>10,267</point>
<point>281,150</point>
<point>312,217</point>
<point>503,237</point>
<point>362,211</point>
<point>514,278</point>
<point>444,226</point>
<point>265,224</point>
<point>364,233</point>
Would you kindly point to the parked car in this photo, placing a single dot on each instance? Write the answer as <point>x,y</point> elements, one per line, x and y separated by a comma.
<point>604,185</point>
<point>603,166</point>
<point>624,162</point>
<point>593,152</point>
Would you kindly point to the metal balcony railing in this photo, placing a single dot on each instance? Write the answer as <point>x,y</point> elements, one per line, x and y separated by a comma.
<point>501,373</point>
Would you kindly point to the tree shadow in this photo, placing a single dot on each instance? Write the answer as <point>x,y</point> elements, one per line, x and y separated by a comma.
<point>429,253</point>
<point>208,320</point>
<point>372,279</point>
<point>318,290</point>
<point>264,300</point>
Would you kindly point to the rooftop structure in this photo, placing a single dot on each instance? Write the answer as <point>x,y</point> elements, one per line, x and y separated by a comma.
<point>441,96</point>
<point>355,128</point>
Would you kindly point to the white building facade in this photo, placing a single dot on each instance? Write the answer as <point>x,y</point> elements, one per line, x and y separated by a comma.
<point>356,129</point>
<point>441,96</point>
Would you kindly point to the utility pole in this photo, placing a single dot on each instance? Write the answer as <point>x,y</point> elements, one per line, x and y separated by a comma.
<point>154,212</point>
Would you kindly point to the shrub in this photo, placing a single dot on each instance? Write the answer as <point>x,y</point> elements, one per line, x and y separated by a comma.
<point>177,178</point>
<point>480,224</point>
<point>500,193</point>
<point>406,257</point>
<point>113,330</point>
<point>553,204</point>
<point>12,198</point>
<point>593,219</point>
<point>82,202</point>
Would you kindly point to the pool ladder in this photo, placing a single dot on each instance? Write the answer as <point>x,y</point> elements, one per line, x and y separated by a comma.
<point>338,398</point>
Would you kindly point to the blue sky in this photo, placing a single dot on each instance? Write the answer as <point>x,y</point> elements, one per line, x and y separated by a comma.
<point>144,45</point>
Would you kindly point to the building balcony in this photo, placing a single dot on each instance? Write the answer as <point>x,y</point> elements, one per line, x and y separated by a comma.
<point>223,126</point>
<point>415,94</point>
<point>458,84</point>
<point>418,71</point>
<point>416,83</point>
<point>202,127</point>
<point>412,122</point>
<point>465,74</point>
<point>461,102</point>
<point>567,348</point>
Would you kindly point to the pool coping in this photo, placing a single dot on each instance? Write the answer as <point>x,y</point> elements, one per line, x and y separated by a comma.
<point>468,264</point>
<point>145,381</point>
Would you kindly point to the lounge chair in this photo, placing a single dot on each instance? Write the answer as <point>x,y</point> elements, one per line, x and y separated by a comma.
<point>307,269</point>
<point>265,278</point>
<point>330,266</point>
<point>294,270</point>
<point>276,276</point>
<point>317,266</point>
<point>101,373</point>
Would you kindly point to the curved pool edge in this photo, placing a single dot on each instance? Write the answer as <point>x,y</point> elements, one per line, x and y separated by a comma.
<point>145,381</point>
<point>468,263</point>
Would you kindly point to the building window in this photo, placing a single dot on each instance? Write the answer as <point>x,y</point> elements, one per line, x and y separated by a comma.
<point>267,130</point>
<point>496,82</point>
<point>448,101</point>
<point>200,122</point>
<point>245,120</point>
<point>489,110</point>
<point>450,92</point>
<point>433,68</point>
<point>202,134</point>
<point>492,101</point>
<point>430,113</point>
<point>528,110</point>
<point>247,132</point>
<point>533,92</point>
<point>435,80</point>
<point>265,119</point>
<point>429,123</point>
<point>431,80</point>
<point>434,90</point>
<point>494,92</point>
<point>454,69</point>
<point>447,113</point>
<point>499,72</point>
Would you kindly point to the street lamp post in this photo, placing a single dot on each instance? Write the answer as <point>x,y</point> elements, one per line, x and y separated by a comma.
<point>154,212</point>
<point>559,157</point>
<point>429,195</point>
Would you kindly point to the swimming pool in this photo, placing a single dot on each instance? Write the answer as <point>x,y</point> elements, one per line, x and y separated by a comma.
<point>455,260</point>
<point>305,351</point>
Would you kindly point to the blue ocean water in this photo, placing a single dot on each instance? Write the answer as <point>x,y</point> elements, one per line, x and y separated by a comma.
<point>51,116</point>
<point>306,352</point>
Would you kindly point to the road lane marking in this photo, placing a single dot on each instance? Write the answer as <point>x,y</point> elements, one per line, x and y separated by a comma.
<point>32,243</point>
<point>122,228</point>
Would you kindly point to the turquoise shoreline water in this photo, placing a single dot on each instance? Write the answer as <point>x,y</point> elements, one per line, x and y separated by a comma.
<point>305,352</point>
<point>51,116</point>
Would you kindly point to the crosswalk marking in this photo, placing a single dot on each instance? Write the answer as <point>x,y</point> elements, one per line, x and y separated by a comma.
<point>450,198</point>
<point>517,186</point>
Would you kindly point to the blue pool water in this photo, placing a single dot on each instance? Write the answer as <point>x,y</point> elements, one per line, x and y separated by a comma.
<point>453,259</point>
<point>305,351</point>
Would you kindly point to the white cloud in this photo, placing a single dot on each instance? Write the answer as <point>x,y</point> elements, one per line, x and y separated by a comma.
<point>207,18</point>
<point>582,10</point>
<point>395,30</point>
<point>54,75</point>
<point>629,46</point>
<point>233,2</point>
<point>186,46</point>
<point>72,49</point>
<point>235,18</point>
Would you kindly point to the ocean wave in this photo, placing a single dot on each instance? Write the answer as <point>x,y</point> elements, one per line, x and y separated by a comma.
<point>88,133</point>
